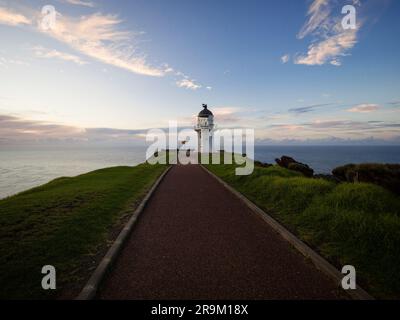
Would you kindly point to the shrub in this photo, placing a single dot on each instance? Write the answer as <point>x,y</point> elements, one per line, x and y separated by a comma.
<point>304,169</point>
<point>358,224</point>
<point>385,175</point>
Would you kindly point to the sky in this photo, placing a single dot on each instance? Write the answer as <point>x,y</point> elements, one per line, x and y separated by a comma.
<point>111,70</point>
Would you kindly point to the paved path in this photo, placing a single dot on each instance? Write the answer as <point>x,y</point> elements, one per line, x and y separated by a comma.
<point>196,240</point>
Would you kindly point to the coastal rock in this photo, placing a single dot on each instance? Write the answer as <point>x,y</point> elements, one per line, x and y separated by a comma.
<point>385,175</point>
<point>292,164</point>
<point>284,161</point>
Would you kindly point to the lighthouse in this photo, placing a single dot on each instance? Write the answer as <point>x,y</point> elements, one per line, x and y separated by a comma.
<point>204,129</point>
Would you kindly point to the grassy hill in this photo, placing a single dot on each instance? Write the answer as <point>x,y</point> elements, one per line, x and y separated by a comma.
<point>348,223</point>
<point>65,223</point>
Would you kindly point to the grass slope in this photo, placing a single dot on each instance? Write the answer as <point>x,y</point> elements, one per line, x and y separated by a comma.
<point>62,223</point>
<point>356,224</point>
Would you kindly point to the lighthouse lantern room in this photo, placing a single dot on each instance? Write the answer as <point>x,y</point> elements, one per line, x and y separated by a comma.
<point>204,129</point>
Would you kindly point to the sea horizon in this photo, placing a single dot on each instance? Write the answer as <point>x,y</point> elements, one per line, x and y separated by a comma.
<point>26,167</point>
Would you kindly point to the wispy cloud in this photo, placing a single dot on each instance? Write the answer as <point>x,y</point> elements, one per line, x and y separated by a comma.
<point>100,37</point>
<point>227,114</point>
<point>12,18</point>
<point>308,109</point>
<point>341,126</point>
<point>285,58</point>
<point>46,53</point>
<point>329,50</point>
<point>5,62</point>
<point>318,13</point>
<point>365,108</point>
<point>330,40</point>
<point>14,128</point>
<point>394,103</point>
<point>88,4</point>
<point>188,84</point>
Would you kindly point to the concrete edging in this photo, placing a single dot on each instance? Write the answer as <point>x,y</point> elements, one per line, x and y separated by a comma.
<point>90,290</point>
<point>320,262</point>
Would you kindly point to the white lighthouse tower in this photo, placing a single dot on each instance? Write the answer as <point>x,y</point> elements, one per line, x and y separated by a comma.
<point>204,129</point>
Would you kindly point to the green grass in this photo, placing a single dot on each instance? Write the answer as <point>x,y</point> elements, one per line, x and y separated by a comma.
<point>62,223</point>
<point>357,224</point>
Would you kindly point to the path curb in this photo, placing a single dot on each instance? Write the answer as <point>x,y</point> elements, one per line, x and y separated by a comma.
<point>90,290</point>
<point>320,262</point>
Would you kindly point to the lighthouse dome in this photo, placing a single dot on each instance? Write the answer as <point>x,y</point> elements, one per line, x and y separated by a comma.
<point>205,113</point>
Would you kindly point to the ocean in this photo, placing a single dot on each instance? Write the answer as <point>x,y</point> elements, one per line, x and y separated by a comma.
<point>22,168</point>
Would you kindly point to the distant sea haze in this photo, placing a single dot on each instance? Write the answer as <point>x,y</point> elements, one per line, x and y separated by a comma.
<point>25,168</point>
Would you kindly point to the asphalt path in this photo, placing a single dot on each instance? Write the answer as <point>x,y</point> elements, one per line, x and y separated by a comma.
<point>196,240</point>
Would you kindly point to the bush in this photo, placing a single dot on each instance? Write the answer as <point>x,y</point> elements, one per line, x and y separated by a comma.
<point>385,175</point>
<point>304,169</point>
<point>292,164</point>
<point>262,164</point>
<point>358,225</point>
<point>288,196</point>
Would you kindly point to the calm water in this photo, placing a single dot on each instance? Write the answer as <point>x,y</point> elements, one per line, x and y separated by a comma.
<point>23,168</point>
<point>325,158</point>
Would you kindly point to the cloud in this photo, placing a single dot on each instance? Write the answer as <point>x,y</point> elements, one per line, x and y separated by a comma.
<point>329,50</point>
<point>45,53</point>
<point>394,103</point>
<point>14,128</point>
<point>12,18</point>
<point>5,62</point>
<point>88,4</point>
<point>336,63</point>
<point>100,37</point>
<point>349,125</point>
<point>340,128</point>
<point>188,84</point>
<point>319,12</point>
<point>285,58</point>
<point>330,40</point>
<point>226,114</point>
<point>310,108</point>
<point>365,108</point>
<point>331,141</point>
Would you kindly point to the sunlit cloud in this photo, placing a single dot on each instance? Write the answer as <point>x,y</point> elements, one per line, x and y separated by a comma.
<point>88,4</point>
<point>100,37</point>
<point>365,108</point>
<point>318,13</point>
<point>46,53</point>
<point>14,128</point>
<point>188,84</point>
<point>227,114</point>
<point>12,18</point>
<point>329,50</point>
<point>330,40</point>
